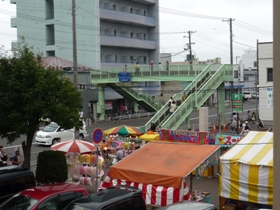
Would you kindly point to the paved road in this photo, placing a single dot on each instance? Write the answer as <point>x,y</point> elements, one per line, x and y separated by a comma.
<point>139,122</point>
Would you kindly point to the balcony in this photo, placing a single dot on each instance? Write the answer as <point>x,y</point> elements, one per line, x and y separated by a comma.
<point>14,22</point>
<point>127,42</point>
<point>13,1</point>
<point>125,17</point>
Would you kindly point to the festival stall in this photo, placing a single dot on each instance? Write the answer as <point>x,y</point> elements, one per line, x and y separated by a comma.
<point>246,177</point>
<point>159,169</point>
<point>150,136</point>
<point>81,162</point>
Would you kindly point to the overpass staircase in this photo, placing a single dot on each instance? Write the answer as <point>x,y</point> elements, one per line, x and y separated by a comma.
<point>143,98</point>
<point>198,91</point>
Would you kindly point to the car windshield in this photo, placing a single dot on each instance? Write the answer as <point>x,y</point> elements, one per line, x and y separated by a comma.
<point>77,207</point>
<point>50,128</point>
<point>18,202</point>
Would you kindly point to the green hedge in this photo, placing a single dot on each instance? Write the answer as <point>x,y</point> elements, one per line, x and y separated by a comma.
<point>51,167</point>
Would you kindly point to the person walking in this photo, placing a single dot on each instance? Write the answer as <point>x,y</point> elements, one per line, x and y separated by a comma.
<point>249,115</point>
<point>184,97</point>
<point>125,68</point>
<point>153,127</point>
<point>3,156</point>
<point>152,65</point>
<point>260,124</point>
<point>137,67</point>
<point>119,154</point>
<point>159,66</point>
<point>167,66</point>
<point>172,108</point>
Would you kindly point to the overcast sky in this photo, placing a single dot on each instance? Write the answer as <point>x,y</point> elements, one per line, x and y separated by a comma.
<point>252,21</point>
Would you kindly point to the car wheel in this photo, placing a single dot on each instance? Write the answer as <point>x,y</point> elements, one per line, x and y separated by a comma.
<point>54,141</point>
<point>81,136</point>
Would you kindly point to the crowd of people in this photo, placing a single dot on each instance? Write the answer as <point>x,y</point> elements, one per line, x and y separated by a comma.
<point>5,161</point>
<point>239,126</point>
<point>118,152</point>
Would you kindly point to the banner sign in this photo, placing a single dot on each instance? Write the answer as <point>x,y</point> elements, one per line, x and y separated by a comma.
<point>237,103</point>
<point>269,103</point>
<point>124,77</point>
<point>108,105</point>
<point>227,140</point>
<point>186,136</point>
<point>212,160</point>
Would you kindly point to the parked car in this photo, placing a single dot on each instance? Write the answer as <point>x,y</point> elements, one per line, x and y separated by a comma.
<point>117,198</point>
<point>189,205</point>
<point>247,95</point>
<point>14,179</point>
<point>255,95</point>
<point>53,132</point>
<point>52,196</point>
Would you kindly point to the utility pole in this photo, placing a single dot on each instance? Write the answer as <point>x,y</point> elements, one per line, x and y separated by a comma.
<point>75,62</point>
<point>190,47</point>
<point>231,48</point>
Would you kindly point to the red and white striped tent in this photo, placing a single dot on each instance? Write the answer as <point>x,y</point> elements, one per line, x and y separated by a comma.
<point>152,194</point>
<point>159,169</point>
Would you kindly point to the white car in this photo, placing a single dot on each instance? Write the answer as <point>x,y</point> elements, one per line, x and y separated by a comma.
<point>247,95</point>
<point>52,132</point>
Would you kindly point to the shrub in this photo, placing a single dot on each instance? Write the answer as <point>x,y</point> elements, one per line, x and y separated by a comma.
<point>51,167</point>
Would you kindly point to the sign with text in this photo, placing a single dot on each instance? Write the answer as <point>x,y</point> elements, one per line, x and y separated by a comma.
<point>237,104</point>
<point>227,140</point>
<point>124,77</point>
<point>186,136</point>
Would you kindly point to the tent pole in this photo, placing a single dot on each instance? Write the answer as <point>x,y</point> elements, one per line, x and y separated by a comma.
<point>182,191</point>
<point>191,182</point>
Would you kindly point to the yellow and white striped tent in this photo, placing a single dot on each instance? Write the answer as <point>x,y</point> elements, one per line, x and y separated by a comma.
<point>247,169</point>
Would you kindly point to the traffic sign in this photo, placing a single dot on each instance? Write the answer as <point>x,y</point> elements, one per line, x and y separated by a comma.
<point>237,103</point>
<point>97,135</point>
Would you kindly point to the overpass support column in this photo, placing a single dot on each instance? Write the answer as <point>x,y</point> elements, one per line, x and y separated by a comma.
<point>135,106</point>
<point>101,103</point>
<point>221,103</point>
<point>188,123</point>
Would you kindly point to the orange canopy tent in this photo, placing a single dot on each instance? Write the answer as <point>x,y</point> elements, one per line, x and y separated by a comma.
<point>159,169</point>
<point>162,163</point>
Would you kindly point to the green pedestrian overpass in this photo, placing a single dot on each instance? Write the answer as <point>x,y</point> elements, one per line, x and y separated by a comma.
<point>203,81</point>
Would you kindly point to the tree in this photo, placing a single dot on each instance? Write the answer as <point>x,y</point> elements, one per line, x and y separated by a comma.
<point>52,167</point>
<point>30,91</point>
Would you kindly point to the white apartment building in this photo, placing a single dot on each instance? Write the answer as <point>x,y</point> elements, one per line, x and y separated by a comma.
<point>109,33</point>
<point>265,81</point>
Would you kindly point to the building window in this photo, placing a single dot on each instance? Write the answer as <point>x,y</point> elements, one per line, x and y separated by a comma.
<point>49,9</point>
<point>144,59</point>
<point>246,78</point>
<point>269,74</point>
<point>116,59</point>
<point>82,87</point>
<point>51,53</point>
<point>255,64</point>
<point>235,74</point>
<point>50,34</point>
